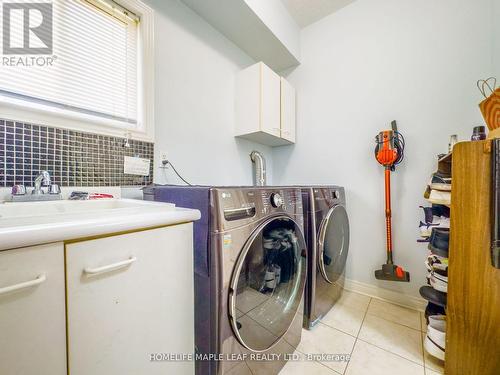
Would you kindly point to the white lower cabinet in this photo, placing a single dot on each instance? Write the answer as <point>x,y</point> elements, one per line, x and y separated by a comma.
<point>130,296</point>
<point>32,311</point>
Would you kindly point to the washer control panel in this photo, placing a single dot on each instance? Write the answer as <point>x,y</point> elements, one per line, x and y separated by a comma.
<point>332,195</point>
<point>237,206</point>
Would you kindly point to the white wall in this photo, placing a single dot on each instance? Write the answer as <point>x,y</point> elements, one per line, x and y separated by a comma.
<point>194,109</point>
<point>372,62</point>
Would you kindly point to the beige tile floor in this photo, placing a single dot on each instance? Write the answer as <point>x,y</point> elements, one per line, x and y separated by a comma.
<point>381,338</point>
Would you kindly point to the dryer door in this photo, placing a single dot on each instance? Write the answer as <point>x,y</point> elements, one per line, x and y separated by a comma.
<point>267,284</point>
<point>333,244</point>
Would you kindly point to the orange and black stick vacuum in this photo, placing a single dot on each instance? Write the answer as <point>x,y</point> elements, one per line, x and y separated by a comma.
<point>389,152</point>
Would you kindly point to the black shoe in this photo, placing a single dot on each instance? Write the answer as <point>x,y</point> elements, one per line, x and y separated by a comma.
<point>433,309</point>
<point>434,296</point>
<point>436,210</point>
<point>428,214</point>
<point>440,210</point>
<point>440,241</point>
<point>440,181</point>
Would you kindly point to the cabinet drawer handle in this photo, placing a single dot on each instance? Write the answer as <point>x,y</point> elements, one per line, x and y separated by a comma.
<point>110,267</point>
<point>27,284</point>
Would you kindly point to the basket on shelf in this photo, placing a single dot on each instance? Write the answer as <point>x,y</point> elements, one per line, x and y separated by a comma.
<point>490,106</point>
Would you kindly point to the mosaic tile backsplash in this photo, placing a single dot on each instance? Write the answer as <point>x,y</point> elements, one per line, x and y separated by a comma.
<point>72,158</point>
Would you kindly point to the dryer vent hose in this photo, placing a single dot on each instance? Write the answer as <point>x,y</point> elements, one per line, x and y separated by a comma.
<point>259,168</point>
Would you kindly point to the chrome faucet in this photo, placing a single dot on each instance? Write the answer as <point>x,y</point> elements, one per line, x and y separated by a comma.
<point>42,179</point>
<point>20,193</point>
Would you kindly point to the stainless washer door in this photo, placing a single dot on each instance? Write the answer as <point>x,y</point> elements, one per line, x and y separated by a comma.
<point>333,244</point>
<point>267,284</point>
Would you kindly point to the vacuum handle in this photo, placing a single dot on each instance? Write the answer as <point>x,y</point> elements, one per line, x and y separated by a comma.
<point>388,214</point>
<point>394,126</point>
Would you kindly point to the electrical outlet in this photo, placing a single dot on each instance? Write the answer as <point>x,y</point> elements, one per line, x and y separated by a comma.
<point>163,158</point>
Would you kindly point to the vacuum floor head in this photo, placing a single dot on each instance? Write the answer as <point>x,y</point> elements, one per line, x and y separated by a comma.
<point>391,272</point>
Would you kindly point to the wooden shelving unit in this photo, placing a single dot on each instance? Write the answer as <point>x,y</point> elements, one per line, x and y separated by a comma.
<point>473,312</point>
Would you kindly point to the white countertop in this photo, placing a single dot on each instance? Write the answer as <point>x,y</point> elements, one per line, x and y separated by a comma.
<point>34,223</point>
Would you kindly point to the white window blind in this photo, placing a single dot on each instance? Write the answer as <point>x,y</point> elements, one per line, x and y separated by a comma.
<point>95,72</point>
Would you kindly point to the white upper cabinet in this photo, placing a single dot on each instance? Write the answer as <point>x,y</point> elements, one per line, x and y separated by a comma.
<point>287,111</point>
<point>269,101</point>
<point>265,106</point>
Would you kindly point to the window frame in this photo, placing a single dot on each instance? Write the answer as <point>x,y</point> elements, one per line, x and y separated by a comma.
<point>22,111</point>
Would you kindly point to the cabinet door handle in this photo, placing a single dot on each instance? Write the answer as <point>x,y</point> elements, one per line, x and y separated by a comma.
<point>27,284</point>
<point>110,267</point>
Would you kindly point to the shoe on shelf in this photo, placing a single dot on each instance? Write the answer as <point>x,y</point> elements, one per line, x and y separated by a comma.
<point>438,196</point>
<point>440,210</point>
<point>440,181</point>
<point>429,214</point>
<point>433,295</point>
<point>441,274</point>
<point>433,348</point>
<point>427,192</point>
<point>438,222</point>
<point>439,281</point>
<point>428,265</point>
<point>435,262</point>
<point>440,242</point>
<point>425,229</point>
<point>433,309</point>
<point>435,340</point>
<point>438,321</point>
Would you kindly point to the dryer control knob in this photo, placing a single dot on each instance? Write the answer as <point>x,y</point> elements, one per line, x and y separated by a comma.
<point>276,200</point>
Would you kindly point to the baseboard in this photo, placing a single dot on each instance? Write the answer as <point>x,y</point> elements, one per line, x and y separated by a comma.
<point>397,298</point>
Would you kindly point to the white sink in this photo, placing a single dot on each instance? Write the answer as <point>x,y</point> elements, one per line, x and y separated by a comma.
<point>10,210</point>
<point>32,223</point>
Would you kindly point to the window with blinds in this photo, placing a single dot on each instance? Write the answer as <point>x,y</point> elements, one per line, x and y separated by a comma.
<point>94,72</point>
